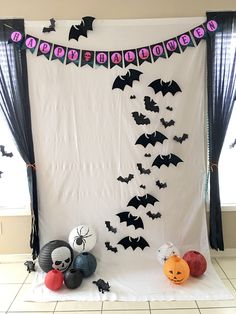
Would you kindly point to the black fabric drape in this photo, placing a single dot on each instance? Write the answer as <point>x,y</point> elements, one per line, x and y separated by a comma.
<point>221,68</point>
<point>14,102</point>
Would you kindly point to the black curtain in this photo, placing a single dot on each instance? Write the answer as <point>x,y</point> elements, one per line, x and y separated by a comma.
<point>14,102</point>
<point>221,68</point>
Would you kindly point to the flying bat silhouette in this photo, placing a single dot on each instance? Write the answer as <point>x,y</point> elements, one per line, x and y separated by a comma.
<point>180,139</point>
<point>137,201</point>
<point>142,170</point>
<point>4,153</point>
<point>169,108</point>
<point>134,243</point>
<point>152,139</point>
<point>132,97</point>
<point>161,185</point>
<point>166,160</point>
<point>140,118</point>
<point>147,154</point>
<point>167,123</point>
<point>126,80</point>
<point>150,104</point>
<point>165,87</point>
<point>131,220</point>
<point>51,27</point>
<point>126,179</point>
<point>111,248</point>
<point>142,186</point>
<point>81,29</point>
<point>153,216</point>
<point>109,227</point>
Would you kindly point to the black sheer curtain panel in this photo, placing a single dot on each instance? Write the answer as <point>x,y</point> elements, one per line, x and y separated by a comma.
<point>221,67</point>
<point>14,103</point>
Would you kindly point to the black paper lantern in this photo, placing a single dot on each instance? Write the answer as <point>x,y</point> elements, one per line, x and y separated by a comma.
<point>73,278</point>
<point>56,254</point>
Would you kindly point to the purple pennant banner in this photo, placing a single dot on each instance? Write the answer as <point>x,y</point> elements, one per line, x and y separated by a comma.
<point>185,41</point>
<point>198,33</point>
<point>130,57</point>
<point>87,58</point>
<point>101,58</point>
<point>144,54</point>
<point>16,38</point>
<point>59,53</point>
<point>73,56</point>
<point>158,51</point>
<point>44,48</point>
<point>116,58</point>
<point>211,26</point>
<point>30,43</point>
<point>171,46</point>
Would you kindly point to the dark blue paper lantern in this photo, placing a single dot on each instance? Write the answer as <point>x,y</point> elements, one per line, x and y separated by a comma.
<point>86,263</point>
<point>73,278</point>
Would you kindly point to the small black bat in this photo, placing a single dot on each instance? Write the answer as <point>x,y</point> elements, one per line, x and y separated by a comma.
<point>51,27</point>
<point>144,200</point>
<point>153,138</point>
<point>147,154</point>
<point>126,179</point>
<point>180,139</point>
<point>1,174</point>
<point>153,216</point>
<point>109,227</point>
<point>142,186</point>
<point>126,80</point>
<point>165,87</point>
<point>102,285</point>
<point>111,248</point>
<point>233,144</point>
<point>142,170</point>
<point>134,243</point>
<point>81,29</point>
<point>132,97</point>
<point>167,123</point>
<point>150,104</point>
<point>169,108</point>
<point>161,185</point>
<point>4,153</point>
<point>140,118</point>
<point>131,220</point>
<point>166,160</point>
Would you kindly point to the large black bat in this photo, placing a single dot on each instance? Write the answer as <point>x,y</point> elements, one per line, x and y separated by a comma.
<point>134,243</point>
<point>51,27</point>
<point>81,29</point>
<point>140,118</point>
<point>111,248</point>
<point>131,220</point>
<point>137,201</point>
<point>142,170</point>
<point>166,160</point>
<point>126,80</point>
<point>165,87</point>
<point>167,123</point>
<point>180,139</point>
<point>4,153</point>
<point>152,139</point>
<point>109,227</point>
<point>126,179</point>
<point>150,104</point>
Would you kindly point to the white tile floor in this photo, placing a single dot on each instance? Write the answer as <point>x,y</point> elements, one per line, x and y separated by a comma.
<point>14,281</point>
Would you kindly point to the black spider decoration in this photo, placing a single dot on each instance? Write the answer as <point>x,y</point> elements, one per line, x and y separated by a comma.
<point>81,238</point>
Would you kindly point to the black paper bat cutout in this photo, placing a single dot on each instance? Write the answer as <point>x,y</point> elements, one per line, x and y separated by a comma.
<point>126,179</point>
<point>150,104</point>
<point>169,108</point>
<point>152,139</point>
<point>165,87</point>
<point>161,185</point>
<point>126,80</point>
<point>140,118</point>
<point>142,186</point>
<point>233,144</point>
<point>4,153</point>
<point>180,139</point>
<point>153,216</point>
<point>111,248</point>
<point>132,97</point>
<point>134,243</point>
<point>131,220</point>
<point>109,227</point>
<point>166,160</point>
<point>167,123</point>
<point>137,201</point>
<point>51,27</point>
<point>147,154</point>
<point>81,29</point>
<point>142,170</point>
<point>1,174</point>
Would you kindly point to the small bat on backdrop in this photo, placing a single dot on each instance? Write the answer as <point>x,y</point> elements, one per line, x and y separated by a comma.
<point>126,179</point>
<point>109,227</point>
<point>111,248</point>
<point>131,220</point>
<point>140,118</point>
<point>144,200</point>
<point>126,80</point>
<point>233,144</point>
<point>161,185</point>
<point>1,173</point>
<point>167,123</point>
<point>134,243</point>
<point>81,29</point>
<point>169,108</point>
<point>142,170</point>
<point>165,87</point>
<point>166,160</point>
<point>147,154</point>
<point>153,138</point>
<point>180,139</point>
<point>150,104</point>
<point>4,153</point>
<point>132,97</point>
<point>142,186</point>
<point>153,216</point>
<point>51,27</point>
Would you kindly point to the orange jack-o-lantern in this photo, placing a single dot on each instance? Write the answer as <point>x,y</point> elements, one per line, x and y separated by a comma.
<point>176,269</point>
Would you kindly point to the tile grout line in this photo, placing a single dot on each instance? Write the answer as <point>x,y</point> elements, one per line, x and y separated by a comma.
<point>102,307</point>
<point>55,307</point>
<point>149,305</point>
<point>222,269</point>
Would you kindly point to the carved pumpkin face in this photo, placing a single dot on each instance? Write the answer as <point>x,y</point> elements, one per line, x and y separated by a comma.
<point>176,269</point>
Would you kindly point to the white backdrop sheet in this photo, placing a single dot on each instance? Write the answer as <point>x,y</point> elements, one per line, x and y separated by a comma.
<point>84,136</point>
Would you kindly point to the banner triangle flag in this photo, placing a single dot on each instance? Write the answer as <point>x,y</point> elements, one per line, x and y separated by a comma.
<point>101,58</point>
<point>144,54</point>
<point>87,58</point>
<point>185,41</point>
<point>171,46</point>
<point>158,51</point>
<point>44,48</point>
<point>198,33</point>
<point>116,58</point>
<point>59,52</point>
<point>130,57</point>
<point>17,38</point>
<point>30,43</point>
<point>73,56</point>
<point>211,26</point>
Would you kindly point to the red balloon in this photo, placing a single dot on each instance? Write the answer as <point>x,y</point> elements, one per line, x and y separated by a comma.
<point>54,280</point>
<point>196,262</point>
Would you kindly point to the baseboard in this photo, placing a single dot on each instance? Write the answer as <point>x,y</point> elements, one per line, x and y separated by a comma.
<point>15,258</point>
<point>226,253</point>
